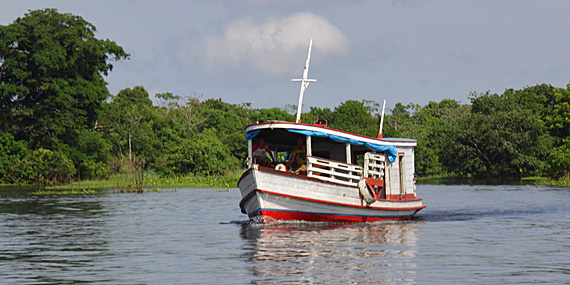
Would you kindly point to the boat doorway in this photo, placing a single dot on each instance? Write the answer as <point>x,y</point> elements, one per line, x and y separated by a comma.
<point>402,168</point>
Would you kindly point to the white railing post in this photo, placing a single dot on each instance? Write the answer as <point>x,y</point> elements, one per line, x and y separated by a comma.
<point>249,154</point>
<point>308,146</point>
<point>309,150</point>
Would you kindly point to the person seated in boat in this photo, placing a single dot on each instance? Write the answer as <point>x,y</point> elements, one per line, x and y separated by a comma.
<point>298,159</point>
<point>260,150</point>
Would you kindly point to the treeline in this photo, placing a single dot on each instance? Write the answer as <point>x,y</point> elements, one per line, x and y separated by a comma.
<point>517,134</point>
<point>59,122</point>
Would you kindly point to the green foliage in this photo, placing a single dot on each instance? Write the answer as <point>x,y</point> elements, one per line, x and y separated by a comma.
<point>558,161</point>
<point>356,117</point>
<point>558,122</point>
<point>65,192</point>
<point>45,167</point>
<point>92,153</point>
<point>503,135</point>
<point>433,120</point>
<point>52,90</point>
<point>227,180</point>
<point>52,69</point>
<point>132,125</point>
<point>402,122</point>
<point>11,153</point>
<point>432,126</point>
<point>228,122</point>
<point>275,114</point>
<point>138,96</point>
<point>204,154</point>
<point>507,136</point>
<point>317,113</point>
<point>351,116</point>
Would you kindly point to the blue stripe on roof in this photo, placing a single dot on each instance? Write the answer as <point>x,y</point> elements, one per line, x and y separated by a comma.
<point>389,149</point>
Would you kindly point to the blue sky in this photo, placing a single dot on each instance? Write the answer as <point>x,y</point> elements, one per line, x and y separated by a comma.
<point>403,51</point>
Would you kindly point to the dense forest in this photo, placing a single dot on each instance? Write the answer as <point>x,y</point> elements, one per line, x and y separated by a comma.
<point>59,122</point>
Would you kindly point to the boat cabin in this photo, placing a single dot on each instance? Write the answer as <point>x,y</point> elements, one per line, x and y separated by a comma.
<point>339,157</point>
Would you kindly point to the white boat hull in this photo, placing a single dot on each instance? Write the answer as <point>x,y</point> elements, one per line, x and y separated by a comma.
<point>269,195</point>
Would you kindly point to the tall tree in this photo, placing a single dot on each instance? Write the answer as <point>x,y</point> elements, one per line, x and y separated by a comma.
<point>130,122</point>
<point>402,121</point>
<point>356,117</point>
<point>435,119</point>
<point>51,77</point>
<point>558,122</point>
<point>505,136</point>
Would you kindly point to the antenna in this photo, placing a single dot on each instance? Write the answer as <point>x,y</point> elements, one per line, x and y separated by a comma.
<point>304,83</point>
<point>380,135</point>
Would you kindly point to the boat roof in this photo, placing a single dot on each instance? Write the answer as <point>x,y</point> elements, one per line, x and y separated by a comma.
<point>299,127</point>
<point>281,131</point>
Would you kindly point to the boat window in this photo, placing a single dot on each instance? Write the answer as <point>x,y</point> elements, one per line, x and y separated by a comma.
<point>325,148</point>
<point>358,157</point>
<point>322,154</point>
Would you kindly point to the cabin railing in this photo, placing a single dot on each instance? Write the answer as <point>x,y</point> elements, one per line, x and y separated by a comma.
<point>333,171</point>
<point>374,172</point>
<point>374,164</point>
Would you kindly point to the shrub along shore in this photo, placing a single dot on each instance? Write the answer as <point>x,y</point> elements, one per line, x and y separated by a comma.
<point>128,183</point>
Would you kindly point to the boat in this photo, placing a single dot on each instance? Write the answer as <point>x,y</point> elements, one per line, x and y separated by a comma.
<point>345,177</point>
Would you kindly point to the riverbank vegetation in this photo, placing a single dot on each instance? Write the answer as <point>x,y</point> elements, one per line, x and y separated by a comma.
<point>59,124</point>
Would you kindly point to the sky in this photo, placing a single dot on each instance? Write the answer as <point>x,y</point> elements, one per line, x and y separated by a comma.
<point>247,51</point>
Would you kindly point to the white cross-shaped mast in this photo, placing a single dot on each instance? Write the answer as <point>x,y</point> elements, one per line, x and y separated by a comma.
<point>304,83</point>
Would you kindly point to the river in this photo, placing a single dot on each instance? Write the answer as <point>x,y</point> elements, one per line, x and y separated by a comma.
<point>475,234</point>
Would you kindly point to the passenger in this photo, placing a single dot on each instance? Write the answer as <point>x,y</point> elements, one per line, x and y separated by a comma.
<point>260,150</point>
<point>298,159</point>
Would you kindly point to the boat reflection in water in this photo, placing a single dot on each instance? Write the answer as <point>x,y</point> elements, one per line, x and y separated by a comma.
<point>324,253</point>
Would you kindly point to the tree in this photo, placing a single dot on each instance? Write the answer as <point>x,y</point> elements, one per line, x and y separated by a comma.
<point>51,77</point>
<point>558,160</point>
<point>133,125</point>
<point>43,166</point>
<point>401,121</point>
<point>356,117</point>
<point>264,115</point>
<point>502,136</point>
<point>11,153</point>
<point>318,113</point>
<point>132,97</point>
<point>204,154</point>
<point>558,122</point>
<point>433,120</point>
<point>229,121</point>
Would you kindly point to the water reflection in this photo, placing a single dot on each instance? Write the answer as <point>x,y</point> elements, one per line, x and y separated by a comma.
<point>378,253</point>
<point>52,240</point>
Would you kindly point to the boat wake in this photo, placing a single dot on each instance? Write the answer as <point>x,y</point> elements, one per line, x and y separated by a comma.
<point>472,214</point>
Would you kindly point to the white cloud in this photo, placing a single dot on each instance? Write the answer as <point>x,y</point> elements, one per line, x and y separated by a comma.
<point>269,47</point>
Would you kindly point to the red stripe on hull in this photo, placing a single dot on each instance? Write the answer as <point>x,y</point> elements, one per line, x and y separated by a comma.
<point>273,215</point>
